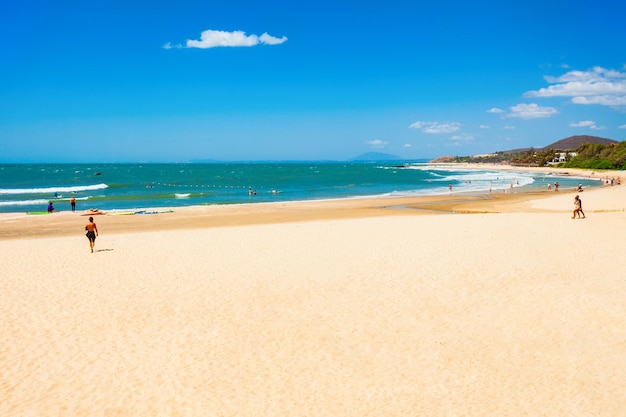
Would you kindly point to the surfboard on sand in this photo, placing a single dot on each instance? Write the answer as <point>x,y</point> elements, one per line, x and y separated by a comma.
<point>131,213</point>
<point>121,213</point>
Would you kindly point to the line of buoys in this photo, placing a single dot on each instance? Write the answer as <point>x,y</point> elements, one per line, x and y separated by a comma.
<point>197,186</point>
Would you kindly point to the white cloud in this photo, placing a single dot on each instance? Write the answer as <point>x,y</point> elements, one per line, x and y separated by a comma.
<point>606,100</point>
<point>436,127</point>
<point>495,110</point>
<point>484,127</point>
<point>531,111</point>
<point>217,38</point>
<point>462,136</point>
<point>407,145</point>
<point>377,143</point>
<point>587,123</point>
<point>622,127</point>
<point>271,40</point>
<point>583,123</point>
<point>509,128</point>
<point>595,86</point>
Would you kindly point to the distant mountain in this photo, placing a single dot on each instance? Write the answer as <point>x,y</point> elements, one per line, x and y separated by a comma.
<point>377,156</point>
<point>567,144</point>
<point>574,142</point>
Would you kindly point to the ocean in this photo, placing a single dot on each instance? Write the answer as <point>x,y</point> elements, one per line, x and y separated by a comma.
<point>30,187</point>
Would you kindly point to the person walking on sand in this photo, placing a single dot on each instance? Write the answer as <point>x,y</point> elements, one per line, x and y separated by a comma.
<point>92,232</point>
<point>73,203</point>
<point>50,207</point>
<point>578,208</point>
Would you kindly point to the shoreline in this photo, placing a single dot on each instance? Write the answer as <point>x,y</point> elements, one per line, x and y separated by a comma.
<point>9,208</point>
<point>578,172</point>
<point>21,225</point>
<point>18,225</point>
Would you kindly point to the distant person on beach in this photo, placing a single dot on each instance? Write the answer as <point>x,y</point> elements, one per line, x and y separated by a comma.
<point>450,187</point>
<point>556,186</point>
<point>50,207</point>
<point>92,232</point>
<point>73,203</point>
<point>578,208</point>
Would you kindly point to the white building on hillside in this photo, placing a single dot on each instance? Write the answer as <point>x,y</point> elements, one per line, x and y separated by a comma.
<point>562,157</point>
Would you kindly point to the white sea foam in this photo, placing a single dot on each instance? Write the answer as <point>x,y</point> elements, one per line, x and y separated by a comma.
<point>37,201</point>
<point>489,176</point>
<point>23,202</point>
<point>52,190</point>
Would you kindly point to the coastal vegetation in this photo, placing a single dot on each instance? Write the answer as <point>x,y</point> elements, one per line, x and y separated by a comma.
<point>598,156</point>
<point>587,152</point>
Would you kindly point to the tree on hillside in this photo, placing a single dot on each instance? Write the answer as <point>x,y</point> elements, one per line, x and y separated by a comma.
<point>597,156</point>
<point>534,158</point>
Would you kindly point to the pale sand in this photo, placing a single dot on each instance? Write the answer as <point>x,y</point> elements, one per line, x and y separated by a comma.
<point>320,309</point>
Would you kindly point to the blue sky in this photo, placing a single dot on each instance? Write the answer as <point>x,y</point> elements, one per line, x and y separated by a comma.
<point>125,81</point>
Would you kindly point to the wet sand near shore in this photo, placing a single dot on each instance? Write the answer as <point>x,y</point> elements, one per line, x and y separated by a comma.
<point>65,223</point>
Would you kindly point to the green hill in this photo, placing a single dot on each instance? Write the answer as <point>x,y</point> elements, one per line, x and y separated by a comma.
<point>599,156</point>
<point>591,152</point>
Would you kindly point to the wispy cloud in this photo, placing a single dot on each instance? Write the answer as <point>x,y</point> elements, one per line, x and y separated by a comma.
<point>531,111</point>
<point>595,86</point>
<point>436,127</point>
<point>217,38</point>
<point>587,123</point>
<point>462,137</point>
<point>495,110</point>
<point>622,127</point>
<point>377,143</point>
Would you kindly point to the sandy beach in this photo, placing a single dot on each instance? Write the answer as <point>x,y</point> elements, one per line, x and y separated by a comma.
<point>460,305</point>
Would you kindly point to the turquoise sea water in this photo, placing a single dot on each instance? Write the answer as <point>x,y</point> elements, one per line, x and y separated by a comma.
<point>29,187</point>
